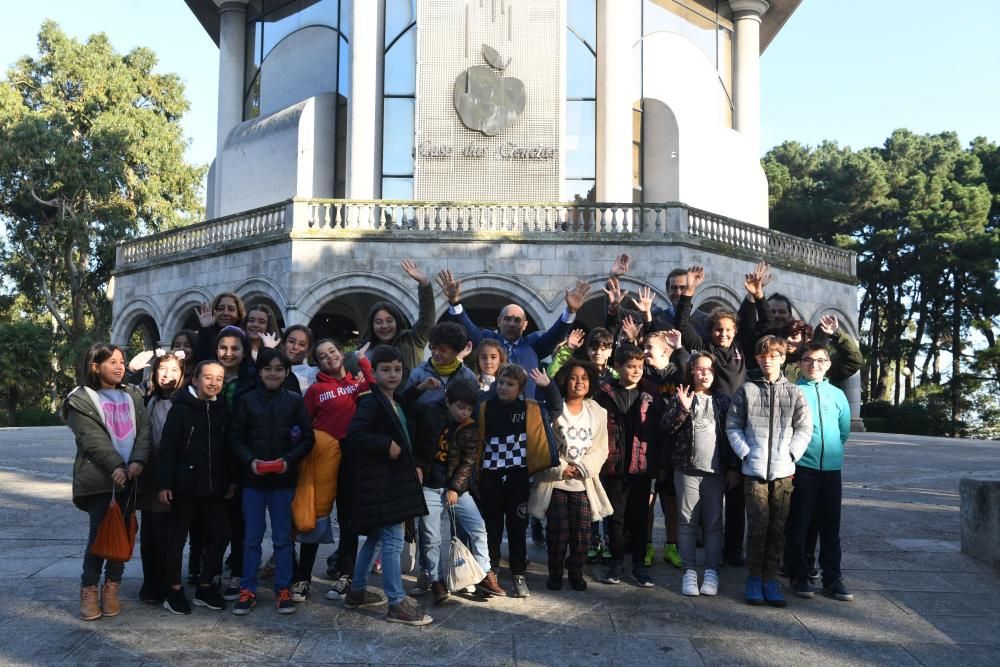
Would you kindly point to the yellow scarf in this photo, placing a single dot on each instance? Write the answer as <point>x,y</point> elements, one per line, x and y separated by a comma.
<point>448,369</point>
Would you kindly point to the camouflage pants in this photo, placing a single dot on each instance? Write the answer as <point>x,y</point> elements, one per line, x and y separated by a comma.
<point>767,510</point>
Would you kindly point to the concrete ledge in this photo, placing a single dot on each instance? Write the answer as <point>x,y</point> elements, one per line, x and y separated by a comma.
<point>980,516</point>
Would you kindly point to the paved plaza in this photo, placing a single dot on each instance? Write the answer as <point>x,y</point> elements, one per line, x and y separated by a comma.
<point>918,600</point>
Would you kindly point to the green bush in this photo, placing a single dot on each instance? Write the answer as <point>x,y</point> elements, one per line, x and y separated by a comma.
<point>877,424</point>
<point>880,409</point>
<point>37,417</point>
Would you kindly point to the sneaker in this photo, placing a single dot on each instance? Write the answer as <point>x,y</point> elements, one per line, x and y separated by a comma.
<point>710,584</point>
<point>246,602</point>
<point>578,583</point>
<point>838,591</point>
<point>422,585</point>
<point>650,555</point>
<point>553,584</point>
<point>90,604</point>
<point>489,586</point>
<point>470,589</point>
<point>642,578</point>
<point>520,586</point>
<point>232,590</point>
<point>440,592</point>
<point>754,593</point>
<point>773,594</point>
<point>408,612</point>
<point>814,575</point>
<point>801,588</point>
<point>614,573</point>
<point>594,552</point>
<point>177,602</point>
<point>208,596</point>
<point>537,532</point>
<point>339,588</point>
<point>689,583</point>
<point>363,598</point>
<point>300,591</point>
<point>672,555</point>
<point>283,601</point>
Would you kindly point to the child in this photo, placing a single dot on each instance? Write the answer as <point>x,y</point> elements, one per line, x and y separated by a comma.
<point>817,492</point>
<point>270,434</point>
<point>167,377</point>
<point>445,444</point>
<point>111,429</point>
<point>323,477</point>
<point>625,476</point>
<point>517,438</point>
<point>446,340</point>
<point>260,323</point>
<point>490,358</point>
<point>570,495</point>
<point>184,341</point>
<point>297,342</point>
<point>703,464</point>
<point>600,344</point>
<point>769,427</point>
<point>387,490</point>
<point>194,480</point>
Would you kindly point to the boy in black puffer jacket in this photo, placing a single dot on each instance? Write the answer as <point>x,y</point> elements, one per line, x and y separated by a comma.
<point>195,480</point>
<point>271,433</point>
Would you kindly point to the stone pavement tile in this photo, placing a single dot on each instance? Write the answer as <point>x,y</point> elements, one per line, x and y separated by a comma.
<point>551,612</point>
<point>18,647</point>
<point>865,542</point>
<point>134,616</point>
<point>317,612</point>
<point>572,647</point>
<point>122,645</point>
<point>72,566</point>
<point>896,580</point>
<point>35,548</point>
<point>918,562</point>
<point>948,655</point>
<point>25,567</point>
<point>945,604</point>
<point>793,652</point>
<point>37,590</point>
<point>927,546</point>
<point>974,582</point>
<point>870,617</point>
<point>405,645</point>
<point>964,630</point>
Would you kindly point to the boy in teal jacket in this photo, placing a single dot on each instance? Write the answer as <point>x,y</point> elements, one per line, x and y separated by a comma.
<point>817,492</point>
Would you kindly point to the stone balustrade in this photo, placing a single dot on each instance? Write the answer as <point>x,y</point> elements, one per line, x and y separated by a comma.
<point>556,222</point>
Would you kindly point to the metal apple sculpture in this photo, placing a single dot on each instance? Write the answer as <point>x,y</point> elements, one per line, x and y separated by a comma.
<point>486,102</point>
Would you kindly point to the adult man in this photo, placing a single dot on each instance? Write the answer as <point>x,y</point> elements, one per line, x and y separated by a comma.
<point>523,350</point>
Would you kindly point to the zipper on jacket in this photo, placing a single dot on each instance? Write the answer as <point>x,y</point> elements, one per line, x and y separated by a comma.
<point>822,434</point>
<point>208,416</point>
<point>770,431</point>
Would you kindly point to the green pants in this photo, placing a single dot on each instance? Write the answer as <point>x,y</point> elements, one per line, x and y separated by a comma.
<point>767,510</point>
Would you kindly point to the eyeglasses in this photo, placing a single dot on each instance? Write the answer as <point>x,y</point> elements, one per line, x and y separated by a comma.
<point>815,361</point>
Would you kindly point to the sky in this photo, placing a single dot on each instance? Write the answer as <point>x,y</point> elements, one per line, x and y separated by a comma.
<point>850,71</point>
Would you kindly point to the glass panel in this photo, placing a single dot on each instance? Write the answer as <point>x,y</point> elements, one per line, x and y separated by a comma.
<point>286,20</point>
<point>401,66</point>
<point>670,16</point>
<point>344,78</point>
<point>398,15</point>
<point>397,137</point>
<point>581,15</point>
<point>581,68</point>
<point>324,12</point>
<point>345,17</point>
<point>251,103</point>
<point>579,146</point>
<point>397,188</point>
<point>580,190</point>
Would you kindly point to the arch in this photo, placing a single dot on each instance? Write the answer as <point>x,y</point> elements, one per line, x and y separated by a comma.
<point>263,289</point>
<point>661,145</point>
<point>131,315</point>
<point>845,320</point>
<point>717,292</point>
<point>321,292</point>
<point>182,307</point>
<point>518,292</point>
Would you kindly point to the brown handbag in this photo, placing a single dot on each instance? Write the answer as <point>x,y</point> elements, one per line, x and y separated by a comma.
<point>115,540</point>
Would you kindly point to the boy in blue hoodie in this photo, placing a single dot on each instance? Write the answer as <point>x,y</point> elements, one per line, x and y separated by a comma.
<point>817,486</point>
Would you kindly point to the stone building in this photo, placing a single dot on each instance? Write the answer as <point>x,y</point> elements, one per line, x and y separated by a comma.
<point>519,143</point>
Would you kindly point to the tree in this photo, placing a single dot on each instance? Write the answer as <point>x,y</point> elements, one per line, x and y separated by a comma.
<point>25,365</point>
<point>91,153</point>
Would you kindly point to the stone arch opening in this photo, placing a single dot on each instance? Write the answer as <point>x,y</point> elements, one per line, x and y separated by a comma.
<point>143,334</point>
<point>484,309</point>
<point>344,318</point>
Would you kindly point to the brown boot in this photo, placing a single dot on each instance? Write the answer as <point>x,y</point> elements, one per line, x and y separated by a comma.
<point>109,598</point>
<point>90,608</point>
<point>490,586</point>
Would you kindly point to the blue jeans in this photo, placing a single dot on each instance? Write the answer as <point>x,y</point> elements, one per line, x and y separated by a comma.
<point>436,524</point>
<point>278,504</point>
<point>392,546</point>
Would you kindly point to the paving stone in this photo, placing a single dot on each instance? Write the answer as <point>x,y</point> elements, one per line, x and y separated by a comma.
<point>786,651</point>
<point>945,604</point>
<point>919,562</point>
<point>24,567</point>
<point>35,548</point>
<point>896,580</point>
<point>927,546</point>
<point>949,655</point>
<point>406,645</point>
<point>134,616</point>
<point>718,617</point>
<point>571,647</point>
<point>870,617</point>
<point>123,644</point>
<point>29,648</point>
<point>974,582</point>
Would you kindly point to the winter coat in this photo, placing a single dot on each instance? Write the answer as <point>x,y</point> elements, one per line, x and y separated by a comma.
<point>263,428</point>
<point>316,487</point>
<point>845,357</point>
<point>386,491</point>
<point>426,370</point>
<point>194,460</point>
<point>590,468</point>
<point>96,457</point>
<point>149,486</point>
<point>831,418</point>
<point>631,441</point>
<point>769,427</point>
<point>677,421</point>
<point>463,442</point>
<point>542,446</point>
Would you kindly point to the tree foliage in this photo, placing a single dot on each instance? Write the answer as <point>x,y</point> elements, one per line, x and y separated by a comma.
<point>923,214</point>
<point>91,153</point>
<point>25,366</point>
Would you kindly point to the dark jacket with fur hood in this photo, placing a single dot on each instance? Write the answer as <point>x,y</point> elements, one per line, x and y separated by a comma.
<point>194,456</point>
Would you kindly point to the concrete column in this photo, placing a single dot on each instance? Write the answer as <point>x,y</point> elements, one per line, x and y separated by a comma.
<point>232,56</point>
<point>614,102</point>
<point>746,66</point>
<point>362,103</point>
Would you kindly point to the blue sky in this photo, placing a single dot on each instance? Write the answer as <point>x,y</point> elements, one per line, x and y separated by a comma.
<point>846,70</point>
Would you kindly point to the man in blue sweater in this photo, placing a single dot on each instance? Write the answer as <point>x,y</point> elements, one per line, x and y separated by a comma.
<point>817,491</point>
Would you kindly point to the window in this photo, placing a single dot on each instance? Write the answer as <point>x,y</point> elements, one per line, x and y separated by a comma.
<point>399,88</point>
<point>579,148</point>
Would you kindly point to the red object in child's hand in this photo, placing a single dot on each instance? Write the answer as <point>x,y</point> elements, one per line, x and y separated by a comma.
<point>275,466</point>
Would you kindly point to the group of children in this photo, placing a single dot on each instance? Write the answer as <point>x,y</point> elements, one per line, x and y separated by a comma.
<point>234,427</point>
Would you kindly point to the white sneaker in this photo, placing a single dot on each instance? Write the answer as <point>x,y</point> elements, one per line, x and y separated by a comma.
<point>689,583</point>
<point>710,586</point>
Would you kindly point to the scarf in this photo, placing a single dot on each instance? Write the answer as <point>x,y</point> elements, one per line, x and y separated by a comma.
<point>447,369</point>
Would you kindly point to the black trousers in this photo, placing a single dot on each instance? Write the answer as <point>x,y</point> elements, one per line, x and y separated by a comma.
<point>735,526</point>
<point>215,521</point>
<point>816,497</point>
<point>234,512</point>
<point>154,541</point>
<point>503,501</point>
<point>629,496</point>
<point>347,549</point>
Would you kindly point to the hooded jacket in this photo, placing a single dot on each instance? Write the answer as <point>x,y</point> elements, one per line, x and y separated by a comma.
<point>831,418</point>
<point>194,460</point>
<point>269,425</point>
<point>462,443</point>
<point>677,421</point>
<point>769,426</point>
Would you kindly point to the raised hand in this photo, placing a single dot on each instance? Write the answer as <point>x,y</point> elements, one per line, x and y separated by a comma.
<point>140,360</point>
<point>540,378</point>
<point>206,318</point>
<point>466,351</point>
<point>644,301</point>
<point>614,291</point>
<point>631,329</point>
<point>619,267</point>
<point>450,286</point>
<point>270,339</point>
<point>685,396</point>
<point>763,271</point>
<point>752,284</point>
<point>829,324</point>
<point>674,339</point>
<point>415,272</point>
<point>695,277</point>
<point>362,351</point>
<point>576,295</point>
<point>575,339</point>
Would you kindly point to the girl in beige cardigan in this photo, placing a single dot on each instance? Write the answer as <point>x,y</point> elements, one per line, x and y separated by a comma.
<point>570,496</point>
